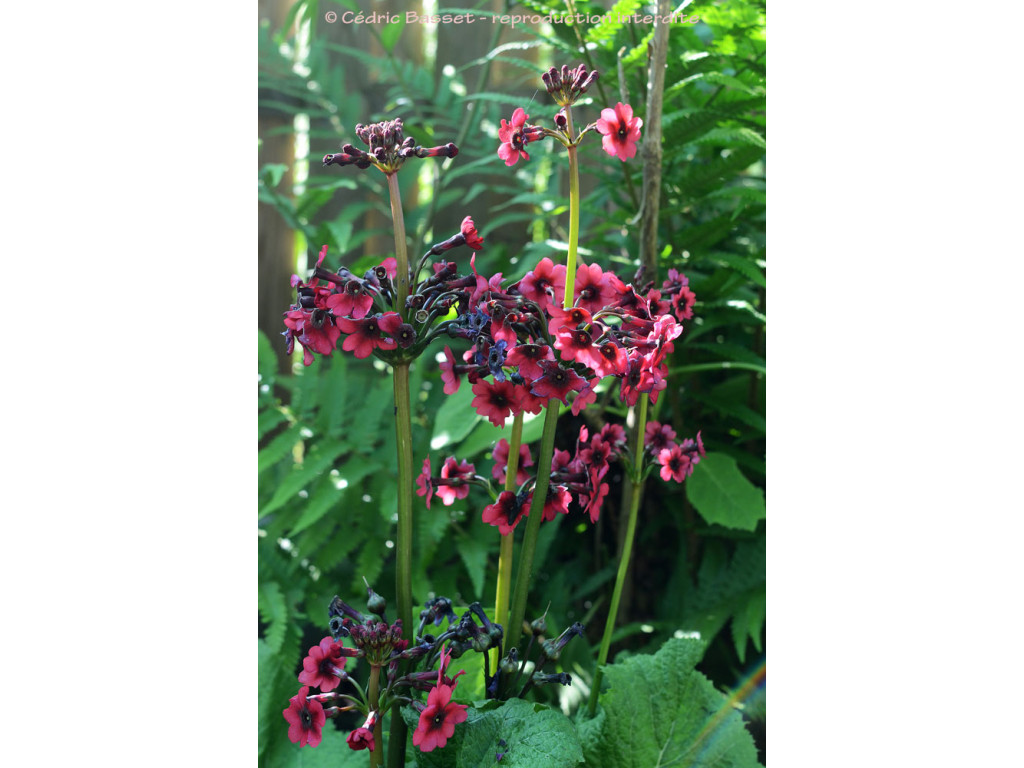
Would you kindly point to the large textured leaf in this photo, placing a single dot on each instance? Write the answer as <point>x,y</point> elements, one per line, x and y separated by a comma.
<point>659,711</point>
<point>526,735</point>
<point>722,495</point>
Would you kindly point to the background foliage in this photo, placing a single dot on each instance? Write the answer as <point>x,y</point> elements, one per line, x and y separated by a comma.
<point>326,483</point>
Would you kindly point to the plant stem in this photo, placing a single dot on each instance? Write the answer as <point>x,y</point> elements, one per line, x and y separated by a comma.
<point>403,443</point>
<point>574,215</point>
<point>627,551</point>
<point>505,556</point>
<point>401,254</point>
<point>403,564</point>
<point>377,753</point>
<point>514,630</point>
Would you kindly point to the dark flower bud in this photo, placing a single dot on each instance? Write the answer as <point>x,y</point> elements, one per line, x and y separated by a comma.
<point>539,626</point>
<point>561,123</point>
<point>375,603</point>
<point>556,677</point>
<point>591,79</point>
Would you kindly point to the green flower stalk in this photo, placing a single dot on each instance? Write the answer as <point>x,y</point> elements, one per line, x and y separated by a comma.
<point>636,480</point>
<point>501,598</point>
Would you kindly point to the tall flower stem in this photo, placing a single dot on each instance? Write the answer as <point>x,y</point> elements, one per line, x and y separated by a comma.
<point>403,442</point>
<point>501,597</point>
<point>514,630</point>
<point>574,215</point>
<point>401,254</point>
<point>627,551</point>
<point>377,753</point>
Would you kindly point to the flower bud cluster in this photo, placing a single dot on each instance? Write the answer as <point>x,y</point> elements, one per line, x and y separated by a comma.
<point>389,148</point>
<point>566,85</point>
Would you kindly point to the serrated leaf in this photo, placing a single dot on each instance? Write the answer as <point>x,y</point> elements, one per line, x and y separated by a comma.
<point>302,475</point>
<point>278,448</point>
<point>274,610</point>
<point>534,736</point>
<point>659,711</point>
<point>721,494</point>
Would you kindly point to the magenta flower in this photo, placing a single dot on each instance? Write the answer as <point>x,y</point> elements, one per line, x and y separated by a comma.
<point>676,464</point>
<point>362,737</point>
<point>594,288</point>
<point>306,718</point>
<point>425,483</point>
<point>353,300</point>
<point>506,512</point>
<point>545,284</point>
<point>495,401</point>
<point>515,136</point>
<point>473,239</point>
<point>557,381</point>
<point>368,334</point>
<point>500,456</point>
<point>658,437</point>
<point>621,131</point>
<point>438,720</point>
<point>527,358</point>
<point>450,378</point>
<point>453,469</point>
<point>324,667</point>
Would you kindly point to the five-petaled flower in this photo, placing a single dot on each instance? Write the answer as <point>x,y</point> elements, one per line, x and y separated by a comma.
<point>438,719</point>
<point>324,667</point>
<point>514,137</point>
<point>306,718</point>
<point>621,131</point>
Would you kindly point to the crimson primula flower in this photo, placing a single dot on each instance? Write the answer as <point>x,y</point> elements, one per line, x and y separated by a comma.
<point>621,131</point>
<point>675,463</point>
<point>324,667</point>
<point>306,718</point>
<point>658,436</point>
<point>495,401</point>
<point>453,469</point>
<point>594,288</point>
<point>438,719</point>
<point>506,512</point>
<point>362,737</point>
<point>526,357</point>
<point>544,284</point>
<point>368,334</point>
<point>500,456</point>
<point>425,483</point>
<point>473,239</point>
<point>515,136</point>
<point>557,381</point>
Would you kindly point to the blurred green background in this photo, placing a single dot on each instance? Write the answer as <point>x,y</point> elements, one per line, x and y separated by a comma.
<point>326,478</point>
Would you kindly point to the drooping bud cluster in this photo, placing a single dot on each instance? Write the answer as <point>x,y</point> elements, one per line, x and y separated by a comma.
<point>388,148</point>
<point>567,85</point>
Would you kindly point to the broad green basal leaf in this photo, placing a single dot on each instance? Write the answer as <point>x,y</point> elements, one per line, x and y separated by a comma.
<point>659,711</point>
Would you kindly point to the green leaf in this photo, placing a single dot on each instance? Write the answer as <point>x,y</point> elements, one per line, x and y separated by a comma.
<point>534,736</point>
<point>474,554</point>
<point>659,711</point>
<point>455,419</point>
<point>301,475</point>
<point>390,34</point>
<point>720,492</point>
<point>748,622</point>
<point>486,435</point>
<point>278,448</point>
<point>274,611</point>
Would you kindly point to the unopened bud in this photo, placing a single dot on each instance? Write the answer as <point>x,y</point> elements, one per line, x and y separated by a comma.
<point>375,603</point>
